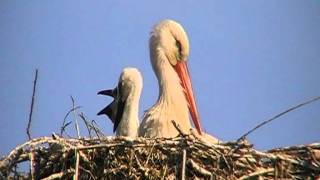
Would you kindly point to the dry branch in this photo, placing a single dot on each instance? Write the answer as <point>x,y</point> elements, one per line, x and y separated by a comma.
<point>32,104</point>
<point>278,115</point>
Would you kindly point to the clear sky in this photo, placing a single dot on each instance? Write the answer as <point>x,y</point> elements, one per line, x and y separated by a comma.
<point>249,61</point>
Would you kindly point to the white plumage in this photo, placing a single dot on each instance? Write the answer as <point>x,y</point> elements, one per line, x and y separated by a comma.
<point>169,47</point>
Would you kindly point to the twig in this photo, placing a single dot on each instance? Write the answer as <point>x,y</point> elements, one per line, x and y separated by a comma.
<point>32,103</point>
<point>75,117</point>
<point>88,171</point>
<point>96,129</point>
<point>145,170</point>
<point>33,165</point>
<point>164,172</point>
<point>199,169</point>
<point>59,175</point>
<point>146,163</point>
<point>257,173</point>
<point>91,126</point>
<point>178,128</point>
<point>76,175</point>
<point>64,124</point>
<point>184,157</point>
<point>81,115</point>
<point>225,161</point>
<point>277,116</point>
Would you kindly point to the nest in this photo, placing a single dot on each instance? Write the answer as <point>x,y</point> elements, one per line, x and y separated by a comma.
<point>184,157</point>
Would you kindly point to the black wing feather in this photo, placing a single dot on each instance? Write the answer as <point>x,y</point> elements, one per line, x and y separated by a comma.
<point>109,92</point>
<point>109,111</point>
<point>120,106</point>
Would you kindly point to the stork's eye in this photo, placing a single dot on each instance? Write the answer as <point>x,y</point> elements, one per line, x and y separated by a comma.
<point>179,54</point>
<point>178,44</point>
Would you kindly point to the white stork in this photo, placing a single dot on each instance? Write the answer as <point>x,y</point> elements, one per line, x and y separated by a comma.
<point>123,111</point>
<point>169,51</point>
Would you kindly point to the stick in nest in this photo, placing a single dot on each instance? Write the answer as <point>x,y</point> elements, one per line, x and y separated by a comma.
<point>277,116</point>
<point>178,128</point>
<point>75,117</point>
<point>32,103</point>
<point>64,124</point>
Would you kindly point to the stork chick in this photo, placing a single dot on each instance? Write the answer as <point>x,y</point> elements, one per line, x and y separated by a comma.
<point>123,110</point>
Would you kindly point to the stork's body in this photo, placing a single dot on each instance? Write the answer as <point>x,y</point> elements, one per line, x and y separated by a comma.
<point>169,50</point>
<point>171,105</point>
<point>123,111</point>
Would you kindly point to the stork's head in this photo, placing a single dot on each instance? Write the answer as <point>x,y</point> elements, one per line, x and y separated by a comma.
<point>126,95</point>
<point>169,44</point>
<point>130,84</point>
<point>168,38</point>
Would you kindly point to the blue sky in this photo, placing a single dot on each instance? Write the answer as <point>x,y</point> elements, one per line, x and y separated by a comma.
<point>249,61</point>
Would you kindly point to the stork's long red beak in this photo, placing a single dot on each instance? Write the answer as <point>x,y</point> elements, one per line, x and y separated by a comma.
<point>182,70</point>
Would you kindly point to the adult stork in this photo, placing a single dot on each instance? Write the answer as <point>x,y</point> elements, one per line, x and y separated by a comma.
<point>169,51</point>
<point>123,111</point>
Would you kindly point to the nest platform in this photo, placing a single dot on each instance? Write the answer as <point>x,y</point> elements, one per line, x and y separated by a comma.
<point>183,157</point>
